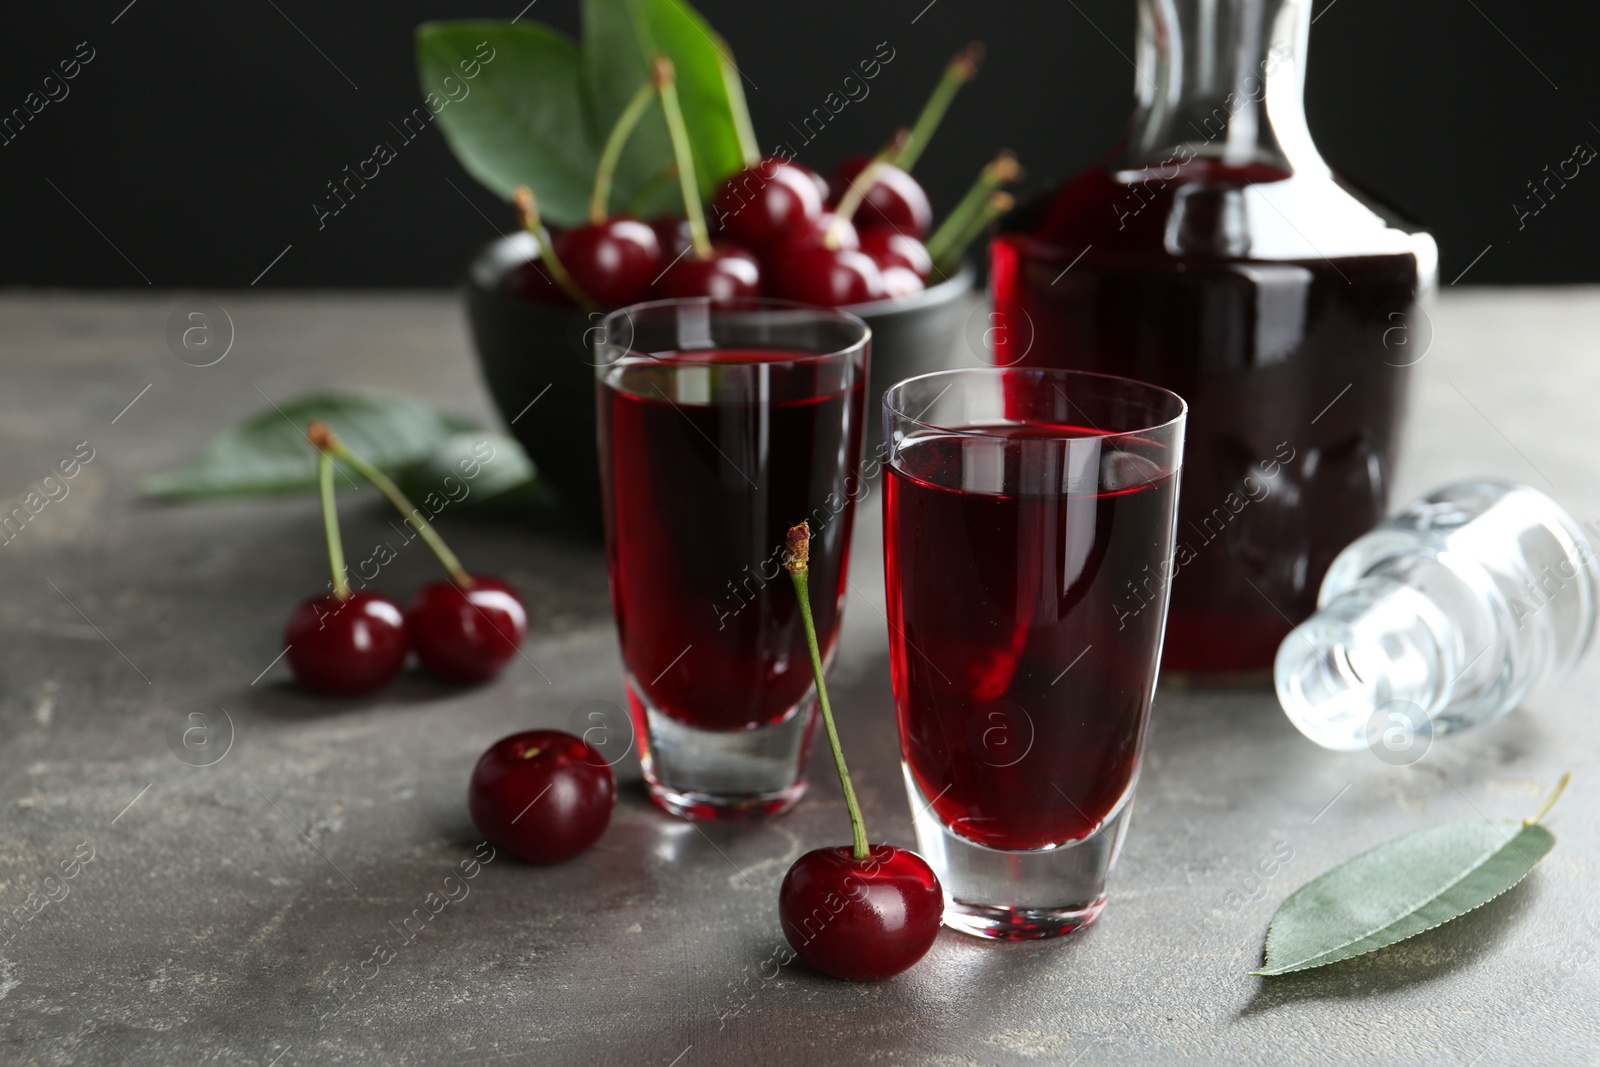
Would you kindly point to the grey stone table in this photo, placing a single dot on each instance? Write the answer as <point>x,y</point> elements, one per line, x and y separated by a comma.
<point>229,913</point>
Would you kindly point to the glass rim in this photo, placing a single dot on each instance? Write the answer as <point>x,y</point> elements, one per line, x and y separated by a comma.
<point>892,406</point>
<point>817,312</point>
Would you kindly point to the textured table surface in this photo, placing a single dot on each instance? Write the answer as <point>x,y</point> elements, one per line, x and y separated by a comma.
<point>228,910</point>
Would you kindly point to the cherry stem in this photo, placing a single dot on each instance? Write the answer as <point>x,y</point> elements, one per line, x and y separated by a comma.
<point>528,213</point>
<point>797,559</point>
<point>749,147</point>
<point>605,171</point>
<point>1561,787</point>
<point>330,445</point>
<point>957,73</point>
<point>330,526</point>
<point>997,205</point>
<point>859,188</point>
<point>1001,169</point>
<point>666,79</point>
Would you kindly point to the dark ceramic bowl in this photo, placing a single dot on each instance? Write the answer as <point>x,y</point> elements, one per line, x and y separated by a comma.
<point>539,363</point>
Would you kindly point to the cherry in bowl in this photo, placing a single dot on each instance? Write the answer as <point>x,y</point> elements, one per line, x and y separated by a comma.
<point>728,272</point>
<point>831,277</point>
<point>613,262</point>
<point>765,205</point>
<point>542,795</point>
<point>890,248</point>
<point>896,199</point>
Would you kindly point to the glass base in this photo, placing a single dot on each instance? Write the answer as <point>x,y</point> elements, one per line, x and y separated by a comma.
<point>715,774</point>
<point>1018,895</point>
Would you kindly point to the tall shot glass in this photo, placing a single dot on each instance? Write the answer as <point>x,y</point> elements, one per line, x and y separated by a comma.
<point>722,424</point>
<point>1028,543</point>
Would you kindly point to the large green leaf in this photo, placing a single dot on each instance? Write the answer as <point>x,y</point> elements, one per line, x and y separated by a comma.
<point>619,39</point>
<point>696,52</point>
<point>1400,889</point>
<point>268,453</point>
<point>521,120</point>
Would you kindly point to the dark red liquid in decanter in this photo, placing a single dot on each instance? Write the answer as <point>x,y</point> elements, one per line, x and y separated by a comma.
<point>1283,308</point>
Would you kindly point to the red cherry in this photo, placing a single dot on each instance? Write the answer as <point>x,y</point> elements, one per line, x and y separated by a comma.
<point>673,235</point>
<point>542,795</point>
<point>466,635</point>
<point>896,199</point>
<point>729,272</point>
<point>763,206</point>
<point>861,920</point>
<point>832,277</point>
<point>613,262</point>
<point>889,248</point>
<point>346,647</point>
<point>816,179</point>
<point>899,281</point>
<point>816,233</point>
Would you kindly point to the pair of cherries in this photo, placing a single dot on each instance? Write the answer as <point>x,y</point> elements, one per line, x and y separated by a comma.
<point>355,645</point>
<point>349,642</point>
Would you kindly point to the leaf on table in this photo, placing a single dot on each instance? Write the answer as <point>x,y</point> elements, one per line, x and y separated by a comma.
<point>268,453</point>
<point>619,39</point>
<point>521,120</point>
<point>1400,889</point>
<point>468,469</point>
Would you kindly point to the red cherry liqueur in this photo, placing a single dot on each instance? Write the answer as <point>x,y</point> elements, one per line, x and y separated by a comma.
<point>1215,253</point>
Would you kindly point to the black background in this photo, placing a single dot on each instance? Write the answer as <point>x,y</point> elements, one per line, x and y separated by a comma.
<point>200,135</point>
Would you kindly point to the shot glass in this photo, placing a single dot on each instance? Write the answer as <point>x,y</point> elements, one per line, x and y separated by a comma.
<point>722,424</point>
<point>1028,541</point>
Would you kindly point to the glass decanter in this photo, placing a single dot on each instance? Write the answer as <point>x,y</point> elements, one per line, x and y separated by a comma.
<point>1215,253</point>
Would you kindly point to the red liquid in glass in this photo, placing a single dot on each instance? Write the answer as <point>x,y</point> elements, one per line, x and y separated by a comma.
<point>1022,689</point>
<point>1283,310</point>
<point>699,498</point>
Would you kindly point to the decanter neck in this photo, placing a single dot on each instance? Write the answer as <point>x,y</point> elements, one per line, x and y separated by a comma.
<point>1222,81</point>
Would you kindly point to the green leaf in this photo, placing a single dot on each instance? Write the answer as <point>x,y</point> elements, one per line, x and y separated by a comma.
<point>521,120</point>
<point>619,38</point>
<point>268,452</point>
<point>696,53</point>
<point>1400,889</point>
<point>470,469</point>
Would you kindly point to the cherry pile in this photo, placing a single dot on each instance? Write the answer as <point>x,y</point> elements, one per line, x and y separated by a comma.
<point>781,229</point>
<point>348,641</point>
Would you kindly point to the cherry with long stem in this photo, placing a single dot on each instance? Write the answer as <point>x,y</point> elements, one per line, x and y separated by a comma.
<point>861,185</point>
<point>466,629</point>
<point>342,642</point>
<point>880,906</point>
<point>721,270</point>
